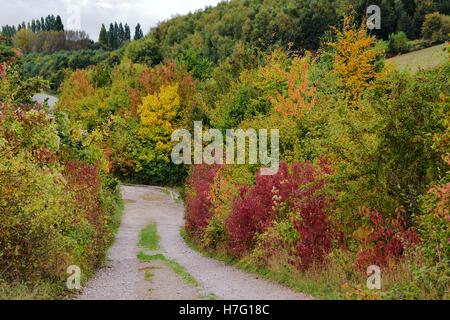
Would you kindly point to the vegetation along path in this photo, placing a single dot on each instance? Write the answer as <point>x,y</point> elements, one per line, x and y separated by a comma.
<point>171,270</point>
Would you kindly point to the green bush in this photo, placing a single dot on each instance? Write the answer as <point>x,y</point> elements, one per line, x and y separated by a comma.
<point>56,211</point>
<point>436,27</point>
<point>144,51</point>
<point>54,67</point>
<point>6,53</point>
<point>398,43</point>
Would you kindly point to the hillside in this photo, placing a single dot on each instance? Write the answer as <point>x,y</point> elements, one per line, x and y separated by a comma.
<point>421,60</point>
<point>269,134</point>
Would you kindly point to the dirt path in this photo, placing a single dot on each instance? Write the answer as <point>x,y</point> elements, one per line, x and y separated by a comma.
<point>125,278</point>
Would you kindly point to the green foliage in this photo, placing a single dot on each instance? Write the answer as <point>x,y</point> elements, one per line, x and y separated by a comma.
<point>398,43</point>
<point>384,135</point>
<point>17,90</point>
<point>56,211</point>
<point>6,53</point>
<point>54,67</point>
<point>436,27</point>
<point>380,135</point>
<point>144,51</point>
<point>138,33</point>
<point>115,37</point>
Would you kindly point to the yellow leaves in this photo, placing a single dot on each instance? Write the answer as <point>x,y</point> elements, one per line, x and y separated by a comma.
<point>158,114</point>
<point>362,233</point>
<point>24,40</point>
<point>355,54</point>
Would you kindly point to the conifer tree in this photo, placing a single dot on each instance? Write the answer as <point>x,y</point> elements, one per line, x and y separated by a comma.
<point>116,36</point>
<point>58,24</point>
<point>121,34</point>
<point>127,32</point>
<point>103,37</point>
<point>138,34</point>
<point>111,37</point>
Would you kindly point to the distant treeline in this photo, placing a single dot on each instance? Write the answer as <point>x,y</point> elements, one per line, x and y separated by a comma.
<point>48,35</point>
<point>45,35</point>
<point>50,41</point>
<point>117,35</point>
<point>49,23</point>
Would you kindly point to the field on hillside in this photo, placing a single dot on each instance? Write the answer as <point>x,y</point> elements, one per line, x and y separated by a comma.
<point>421,60</point>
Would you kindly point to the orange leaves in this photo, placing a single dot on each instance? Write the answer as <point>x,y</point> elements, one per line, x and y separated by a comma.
<point>300,95</point>
<point>153,79</point>
<point>442,195</point>
<point>82,86</point>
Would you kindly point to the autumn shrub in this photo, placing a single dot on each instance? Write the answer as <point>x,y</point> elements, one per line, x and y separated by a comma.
<point>36,214</point>
<point>434,227</point>
<point>289,203</point>
<point>383,240</point>
<point>129,112</point>
<point>222,194</point>
<point>436,27</point>
<point>56,210</point>
<point>198,203</point>
<point>381,144</point>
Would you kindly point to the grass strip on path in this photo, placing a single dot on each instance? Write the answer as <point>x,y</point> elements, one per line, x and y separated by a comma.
<point>149,239</point>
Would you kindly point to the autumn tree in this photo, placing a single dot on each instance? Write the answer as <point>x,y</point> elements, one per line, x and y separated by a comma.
<point>158,114</point>
<point>355,54</point>
<point>24,40</point>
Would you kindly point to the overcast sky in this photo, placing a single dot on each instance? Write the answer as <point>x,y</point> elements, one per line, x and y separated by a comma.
<point>90,14</point>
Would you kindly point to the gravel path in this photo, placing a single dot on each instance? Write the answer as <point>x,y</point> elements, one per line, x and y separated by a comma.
<point>121,279</point>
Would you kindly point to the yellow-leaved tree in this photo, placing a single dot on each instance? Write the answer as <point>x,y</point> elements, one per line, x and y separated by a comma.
<point>158,115</point>
<point>354,60</point>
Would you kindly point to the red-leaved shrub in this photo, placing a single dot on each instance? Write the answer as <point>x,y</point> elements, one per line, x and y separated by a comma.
<point>297,188</point>
<point>385,241</point>
<point>198,203</point>
<point>83,180</point>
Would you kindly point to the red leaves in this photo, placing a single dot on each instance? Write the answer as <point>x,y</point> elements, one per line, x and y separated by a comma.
<point>314,228</point>
<point>83,181</point>
<point>198,203</point>
<point>2,70</point>
<point>82,175</point>
<point>387,240</point>
<point>297,189</point>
